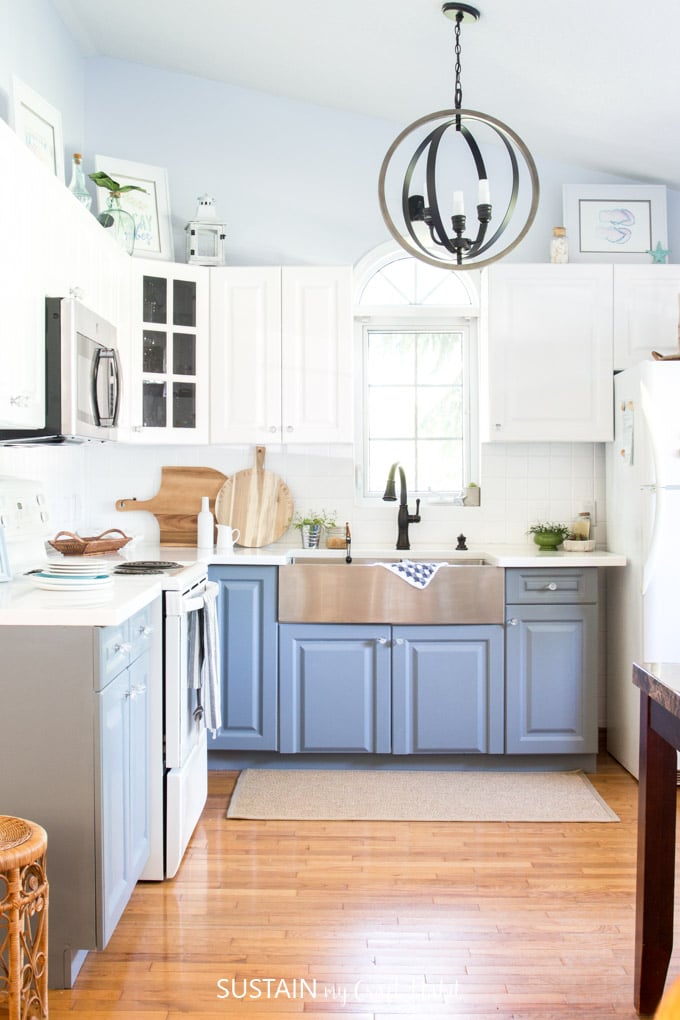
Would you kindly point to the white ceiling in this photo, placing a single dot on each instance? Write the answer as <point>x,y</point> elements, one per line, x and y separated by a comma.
<point>595,83</point>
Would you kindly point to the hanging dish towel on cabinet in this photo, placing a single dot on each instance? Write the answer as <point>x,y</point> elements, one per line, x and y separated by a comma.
<point>418,575</point>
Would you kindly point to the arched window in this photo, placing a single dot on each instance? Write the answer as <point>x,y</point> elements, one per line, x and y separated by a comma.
<point>417,329</point>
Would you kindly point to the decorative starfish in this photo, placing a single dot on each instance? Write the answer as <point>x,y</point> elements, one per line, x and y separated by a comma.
<point>659,254</point>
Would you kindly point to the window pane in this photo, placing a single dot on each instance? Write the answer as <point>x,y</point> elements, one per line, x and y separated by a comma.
<point>406,281</point>
<point>184,353</point>
<point>439,412</point>
<point>183,303</point>
<point>155,299</point>
<point>154,405</point>
<point>391,358</point>
<point>391,412</point>
<point>440,465</point>
<point>382,454</point>
<point>415,408</point>
<point>154,346</point>
<point>440,358</point>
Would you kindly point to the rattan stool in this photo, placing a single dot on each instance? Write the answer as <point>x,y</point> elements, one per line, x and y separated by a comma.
<point>23,918</point>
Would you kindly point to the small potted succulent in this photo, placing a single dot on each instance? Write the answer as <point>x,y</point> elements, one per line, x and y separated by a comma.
<point>548,534</point>
<point>311,526</point>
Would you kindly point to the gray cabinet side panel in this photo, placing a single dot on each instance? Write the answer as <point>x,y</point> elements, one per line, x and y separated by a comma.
<point>47,768</point>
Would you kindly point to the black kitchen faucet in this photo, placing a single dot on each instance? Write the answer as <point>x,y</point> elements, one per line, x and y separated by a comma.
<point>404,518</point>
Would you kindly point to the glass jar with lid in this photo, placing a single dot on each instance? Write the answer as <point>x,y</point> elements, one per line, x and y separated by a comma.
<point>559,245</point>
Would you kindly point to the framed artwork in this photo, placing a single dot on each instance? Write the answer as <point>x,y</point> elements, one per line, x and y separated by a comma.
<point>150,208</point>
<point>617,223</point>
<point>5,574</point>
<point>38,124</point>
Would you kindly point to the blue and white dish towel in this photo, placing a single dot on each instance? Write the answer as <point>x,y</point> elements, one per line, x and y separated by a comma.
<point>417,574</point>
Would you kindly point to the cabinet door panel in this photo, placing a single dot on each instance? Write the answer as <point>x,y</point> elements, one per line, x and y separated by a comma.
<point>245,331</point>
<point>115,782</point>
<point>547,357</point>
<point>247,626</point>
<point>168,373</point>
<point>140,683</point>
<point>316,341</point>
<point>551,697</point>
<point>448,690</point>
<point>335,689</point>
<point>645,312</point>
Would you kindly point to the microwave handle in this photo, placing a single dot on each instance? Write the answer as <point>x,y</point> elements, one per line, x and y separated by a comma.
<point>106,360</point>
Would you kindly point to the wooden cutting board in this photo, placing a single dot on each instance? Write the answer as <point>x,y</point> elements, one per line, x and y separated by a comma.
<point>257,502</point>
<point>178,501</point>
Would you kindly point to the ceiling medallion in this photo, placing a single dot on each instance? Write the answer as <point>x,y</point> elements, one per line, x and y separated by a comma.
<point>432,179</point>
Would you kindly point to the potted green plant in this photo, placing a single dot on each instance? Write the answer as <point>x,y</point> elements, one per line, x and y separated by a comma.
<point>311,525</point>
<point>548,534</point>
<point>119,221</point>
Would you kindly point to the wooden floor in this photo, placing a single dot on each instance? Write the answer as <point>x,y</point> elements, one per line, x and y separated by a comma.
<point>379,920</point>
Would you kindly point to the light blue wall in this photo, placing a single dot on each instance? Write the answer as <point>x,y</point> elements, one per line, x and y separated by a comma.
<point>296,183</point>
<point>36,47</point>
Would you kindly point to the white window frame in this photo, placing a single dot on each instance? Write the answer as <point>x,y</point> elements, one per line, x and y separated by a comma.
<point>464,317</point>
<point>413,319</point>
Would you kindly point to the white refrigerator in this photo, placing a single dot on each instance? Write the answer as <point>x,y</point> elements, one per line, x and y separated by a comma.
<point>643,523</point>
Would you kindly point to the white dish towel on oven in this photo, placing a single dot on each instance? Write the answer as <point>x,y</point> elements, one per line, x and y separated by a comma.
<point>204,658</point>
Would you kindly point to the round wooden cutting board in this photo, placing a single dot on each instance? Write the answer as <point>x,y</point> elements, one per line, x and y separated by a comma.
<point>257,502</point>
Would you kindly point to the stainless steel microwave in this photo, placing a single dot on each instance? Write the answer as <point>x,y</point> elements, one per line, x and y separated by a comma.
<point>83,381</point>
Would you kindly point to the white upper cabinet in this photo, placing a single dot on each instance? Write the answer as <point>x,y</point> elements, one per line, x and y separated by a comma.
<point>52,247</point>
<point>547,353</point>
<point>167,376</point>
<point>646,312</point>
<point>281,355</point>
<point>245,355</point>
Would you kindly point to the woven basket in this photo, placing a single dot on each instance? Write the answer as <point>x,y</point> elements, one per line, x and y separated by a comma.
<point>73,545</point>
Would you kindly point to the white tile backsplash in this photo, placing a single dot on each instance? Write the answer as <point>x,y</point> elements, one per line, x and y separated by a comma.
<point>520,483</point>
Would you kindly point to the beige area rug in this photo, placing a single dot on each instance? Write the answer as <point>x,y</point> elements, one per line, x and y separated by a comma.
<point>372,795</point>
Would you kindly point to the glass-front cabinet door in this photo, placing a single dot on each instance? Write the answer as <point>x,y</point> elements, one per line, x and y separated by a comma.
<point>170,399</point>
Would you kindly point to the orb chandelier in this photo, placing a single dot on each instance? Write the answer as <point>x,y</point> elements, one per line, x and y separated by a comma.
<point>432,180</point>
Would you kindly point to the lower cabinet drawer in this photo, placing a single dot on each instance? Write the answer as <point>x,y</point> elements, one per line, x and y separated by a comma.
<point>562,585</point>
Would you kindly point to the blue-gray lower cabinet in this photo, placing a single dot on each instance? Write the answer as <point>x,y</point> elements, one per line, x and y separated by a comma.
<point>248,639</point>
<point>334,688</point>
<point>551,679</point>
<point>447,690</point>
<point>391,690</point>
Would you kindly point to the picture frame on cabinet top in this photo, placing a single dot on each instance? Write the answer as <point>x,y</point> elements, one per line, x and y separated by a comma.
<point>38,124</point>
<point>150,208</point>
<point>614,223</point>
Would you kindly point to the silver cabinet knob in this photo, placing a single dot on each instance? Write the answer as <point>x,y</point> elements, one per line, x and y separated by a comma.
<point>383,641</point>
<point>513,622</point>
<point>399,641</point>
<point>290,428</point>
<point>551,587</point>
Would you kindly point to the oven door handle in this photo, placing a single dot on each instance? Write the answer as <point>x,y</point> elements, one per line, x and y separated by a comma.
<point>192,603</point>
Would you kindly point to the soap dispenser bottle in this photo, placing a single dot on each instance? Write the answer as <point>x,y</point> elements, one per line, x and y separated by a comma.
<point>205,520</point>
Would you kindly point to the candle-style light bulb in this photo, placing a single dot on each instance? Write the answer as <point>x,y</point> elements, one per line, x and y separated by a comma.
<point>458,204</point>
<point>484,194</point>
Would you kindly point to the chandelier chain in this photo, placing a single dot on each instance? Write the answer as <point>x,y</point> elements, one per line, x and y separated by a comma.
<point>458,94</point>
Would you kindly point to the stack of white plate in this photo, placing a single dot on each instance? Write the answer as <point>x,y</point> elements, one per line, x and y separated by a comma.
<point>83,575</point>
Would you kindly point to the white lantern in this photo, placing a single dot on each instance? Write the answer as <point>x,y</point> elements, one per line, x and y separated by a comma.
<point>206,237</point>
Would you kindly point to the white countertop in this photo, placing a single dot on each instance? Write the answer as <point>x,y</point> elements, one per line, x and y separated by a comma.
<point>495,555</point>
<point>22,604</point>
